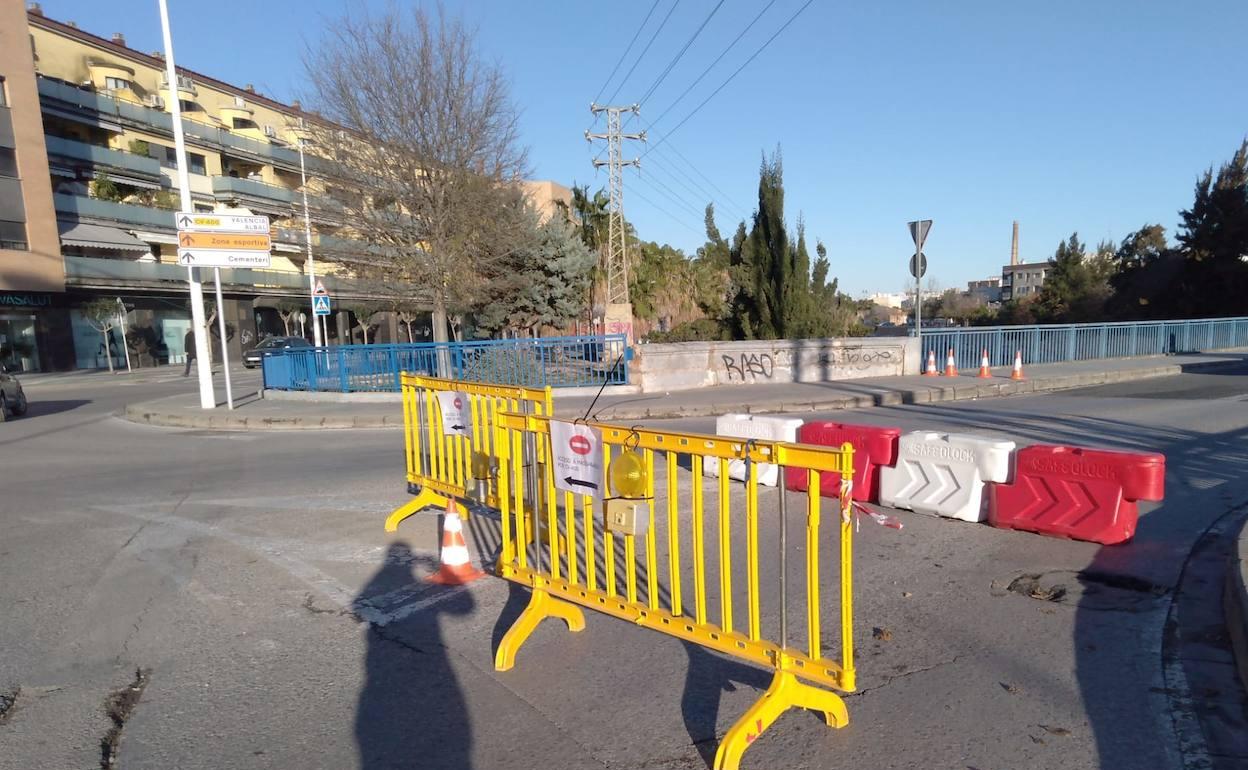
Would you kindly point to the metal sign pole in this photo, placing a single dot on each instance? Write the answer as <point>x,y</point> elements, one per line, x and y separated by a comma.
<point>125,344</point>
<point>225,351</point>
<point>207,399</point>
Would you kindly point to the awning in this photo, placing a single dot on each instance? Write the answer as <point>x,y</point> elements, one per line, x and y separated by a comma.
<point>127,179</point>
<point>288,248</point>
<point>169,239</point>
<point>100,237</point>
<point>90,120</point>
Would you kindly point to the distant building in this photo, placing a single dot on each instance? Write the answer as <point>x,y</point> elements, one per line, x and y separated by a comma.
<point>987,290</point>
<point>894,299</point>
<point>1023,280</point>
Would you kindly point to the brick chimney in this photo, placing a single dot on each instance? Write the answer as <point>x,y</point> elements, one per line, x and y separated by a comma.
<point>249,88</point>
<point>1014,245</point>
<point>119,39</point>
<point>35,9</point>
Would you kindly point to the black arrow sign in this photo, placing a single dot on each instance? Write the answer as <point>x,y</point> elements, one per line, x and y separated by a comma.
<point>579,483</point>
<point>185,220</point>
<point>460,428</point>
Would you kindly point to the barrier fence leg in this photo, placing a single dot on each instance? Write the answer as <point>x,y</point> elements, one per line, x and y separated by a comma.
<point>541,606</point>
<point>785,692</point>
<point>423,499</point>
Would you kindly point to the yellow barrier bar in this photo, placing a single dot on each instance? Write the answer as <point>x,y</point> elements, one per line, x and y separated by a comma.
<point>408,432</point>
<point>673,534</point>
<point>751,552</point>
<point>591,568</point>
<point>725,550</point>
<point>561,595</point>
<point>812,563</point>
<point>433,419</point>
<point>652,567</point>
<point>569,520</point>
<point>507,552</point>
<point>522,536</point>
<point>699,548</point>
<point>847,576</point>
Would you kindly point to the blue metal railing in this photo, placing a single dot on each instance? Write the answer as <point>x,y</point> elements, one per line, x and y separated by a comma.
<point>560,362</point>
<point>1083,342</point>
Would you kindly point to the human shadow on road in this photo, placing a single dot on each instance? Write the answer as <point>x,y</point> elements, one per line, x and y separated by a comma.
<point>707,678</point>
<point>411,710</point>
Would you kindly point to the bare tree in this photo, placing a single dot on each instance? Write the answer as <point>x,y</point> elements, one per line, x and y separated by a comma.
<point>288,310</point>
<point>420,145</point>
<point>101,314</point>
<point>363,313</point>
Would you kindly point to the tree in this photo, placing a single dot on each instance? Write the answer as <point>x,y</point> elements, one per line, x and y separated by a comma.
<point>101,314</point>
<point>1145,268</point>
<point>1213,239</point>
<point>761,264</point>
<point>421,141</point>
<point>546,282</point>
<point>1077,285</point>
<point>362,313</point>
<point>288,310</point>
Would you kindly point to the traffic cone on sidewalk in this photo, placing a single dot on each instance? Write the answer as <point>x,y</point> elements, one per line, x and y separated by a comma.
<point>456,568</point>
<point>931,365</point>
<point>951,369</point>
<point>1017,374</point>
<point>984,372</point>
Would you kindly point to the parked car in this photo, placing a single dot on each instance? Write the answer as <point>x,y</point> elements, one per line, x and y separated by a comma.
<point>12,397</point>
<point>252,357</point>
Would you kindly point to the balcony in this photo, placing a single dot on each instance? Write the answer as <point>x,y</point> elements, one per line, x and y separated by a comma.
<point>253,194</point>
<point>103,157</point>
<point>123,273</point>
<point>67,99</point>
<point>94,209</point>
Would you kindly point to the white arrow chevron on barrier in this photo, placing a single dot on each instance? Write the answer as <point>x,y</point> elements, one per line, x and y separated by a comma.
<point>953,485</point>
<point>914,483</point>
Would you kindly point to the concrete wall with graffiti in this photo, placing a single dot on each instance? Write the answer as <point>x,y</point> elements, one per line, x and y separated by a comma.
<point>680,366</point>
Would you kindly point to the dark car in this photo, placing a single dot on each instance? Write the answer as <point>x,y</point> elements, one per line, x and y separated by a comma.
<point>252,357</point>
<point>12,397</point>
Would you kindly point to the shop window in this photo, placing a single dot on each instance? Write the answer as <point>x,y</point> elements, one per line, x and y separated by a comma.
<point>13,235</point>
<point>8,162</point>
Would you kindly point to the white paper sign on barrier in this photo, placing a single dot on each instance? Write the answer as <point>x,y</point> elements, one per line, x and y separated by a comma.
<point>456,414</point>
<point>944,473</point>
<point>752,426</point>
<point>577,453</point>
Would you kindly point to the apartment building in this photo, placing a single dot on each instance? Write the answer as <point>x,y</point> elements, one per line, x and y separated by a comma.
<point>1022,280</point>
<point>88,190</point>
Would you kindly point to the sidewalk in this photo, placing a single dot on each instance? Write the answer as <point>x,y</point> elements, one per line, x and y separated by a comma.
<point>182,411</point>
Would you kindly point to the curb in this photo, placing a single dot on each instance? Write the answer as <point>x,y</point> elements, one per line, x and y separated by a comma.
<point>149,413</point>
<point>1235,604</point>
<point>144,414</point>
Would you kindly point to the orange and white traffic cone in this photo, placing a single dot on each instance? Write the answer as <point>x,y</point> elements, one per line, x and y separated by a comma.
<point>951,369</point>
<point>931,365</point>
<point>984,372</point>
<point>456,568</point>
<point>1017,374</point>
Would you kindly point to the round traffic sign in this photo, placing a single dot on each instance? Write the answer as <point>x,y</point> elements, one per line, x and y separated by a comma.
<point>921,269</point>
<point>580,445</point>
<point>459,404</point>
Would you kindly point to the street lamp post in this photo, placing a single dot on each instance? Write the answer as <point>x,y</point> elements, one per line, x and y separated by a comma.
<point>307,237</point>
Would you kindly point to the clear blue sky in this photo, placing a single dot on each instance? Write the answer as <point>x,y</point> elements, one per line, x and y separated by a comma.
<point>1094,116</point>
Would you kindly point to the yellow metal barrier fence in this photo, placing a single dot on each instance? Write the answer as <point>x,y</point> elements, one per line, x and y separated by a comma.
<point>574,562</point>
<point>445,464</point>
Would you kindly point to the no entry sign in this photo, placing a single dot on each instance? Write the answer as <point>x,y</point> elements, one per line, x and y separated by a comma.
<point>577,453</point>
<point>456,418</point>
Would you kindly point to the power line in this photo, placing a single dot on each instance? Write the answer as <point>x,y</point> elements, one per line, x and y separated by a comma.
<point>663,209</point>
<point>722,54</point>
<point>672,194</point>
<point>745,64</point>
<point>732,206</point>
<point>624,55</point>
<point>663,75</point>
<point>642,55</point>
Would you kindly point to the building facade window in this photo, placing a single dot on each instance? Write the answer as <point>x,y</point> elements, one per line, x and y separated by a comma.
<point>168,157</point>
<point>4,97</point>
<point>186,105</point>
<point>116,84</point>
<point>197,163</point>
<point>13,235</point>
<point>8,162</point>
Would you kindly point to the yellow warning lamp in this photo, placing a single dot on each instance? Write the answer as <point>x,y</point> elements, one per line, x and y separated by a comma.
<point>629,475</point>
<point>480,465</point>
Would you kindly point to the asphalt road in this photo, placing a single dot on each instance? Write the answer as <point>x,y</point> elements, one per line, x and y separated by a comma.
<point>232,599</point>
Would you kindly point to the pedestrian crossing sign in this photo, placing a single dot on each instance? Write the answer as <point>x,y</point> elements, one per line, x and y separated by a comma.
<point>320,305</point>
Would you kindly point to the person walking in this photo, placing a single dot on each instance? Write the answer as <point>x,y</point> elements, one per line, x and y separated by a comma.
<point>188,344</point>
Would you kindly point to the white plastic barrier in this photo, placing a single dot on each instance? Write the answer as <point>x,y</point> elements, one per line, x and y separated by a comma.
<point>752,426</point>
<point>944,473</point>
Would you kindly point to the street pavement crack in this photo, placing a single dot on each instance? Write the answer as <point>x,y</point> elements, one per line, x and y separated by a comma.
<point>119,706</point>
<point>890,679</point>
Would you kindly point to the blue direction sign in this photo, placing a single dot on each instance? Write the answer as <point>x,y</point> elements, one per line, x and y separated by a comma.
<point>320,305</point>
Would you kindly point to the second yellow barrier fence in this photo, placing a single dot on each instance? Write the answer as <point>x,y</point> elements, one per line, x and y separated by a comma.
<point>689,530</point>
<point>447,460</point>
